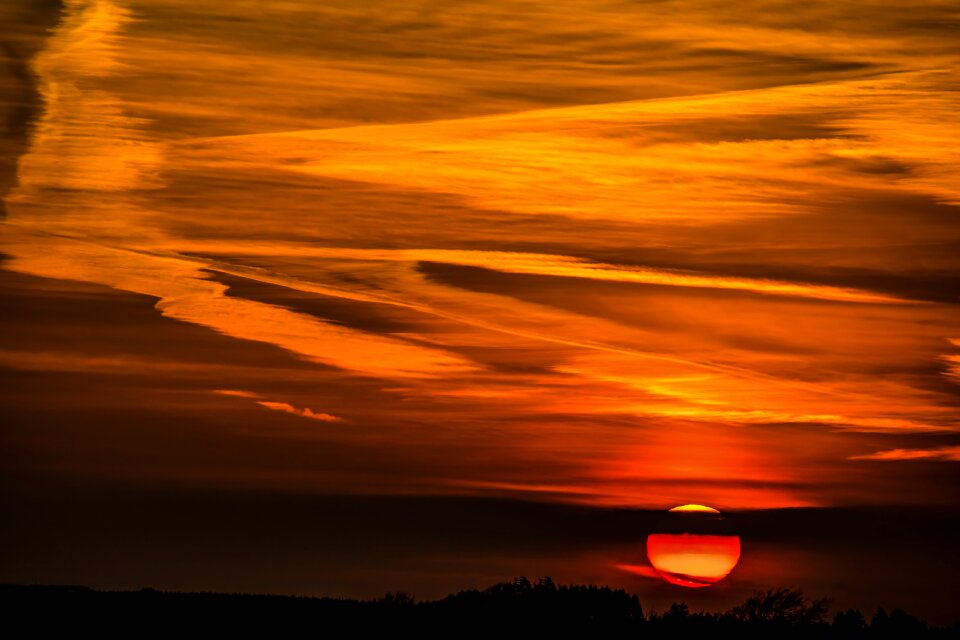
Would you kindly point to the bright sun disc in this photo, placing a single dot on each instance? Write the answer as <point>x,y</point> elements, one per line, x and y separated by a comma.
<point>693,559</point>
<point>699,508</point>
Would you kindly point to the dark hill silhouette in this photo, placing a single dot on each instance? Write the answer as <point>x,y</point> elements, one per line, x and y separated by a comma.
<point>510,609</point>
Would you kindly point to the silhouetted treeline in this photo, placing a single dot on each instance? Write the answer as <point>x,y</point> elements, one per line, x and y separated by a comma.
<point>511,609</point>
<point>786,613</point>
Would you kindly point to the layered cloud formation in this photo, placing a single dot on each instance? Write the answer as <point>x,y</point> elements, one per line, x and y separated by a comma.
<point>634,254</point>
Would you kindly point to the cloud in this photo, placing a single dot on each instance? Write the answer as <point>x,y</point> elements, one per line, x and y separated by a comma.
<point>304,413</point>
<point>643,571</point>
<point>610,162</point>
<point>84,140</point>
<point>953,363</point>
<point>186,294</point>
<point>285,407</point>
<point>238,393</point>
<point>558,266</point>
<point>942,453</point>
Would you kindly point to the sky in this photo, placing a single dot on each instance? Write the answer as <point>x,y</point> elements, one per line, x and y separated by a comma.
<point>319,297</point>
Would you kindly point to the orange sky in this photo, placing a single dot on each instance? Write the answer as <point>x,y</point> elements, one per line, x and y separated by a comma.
<point>631,254</point>
<point>619,254</point>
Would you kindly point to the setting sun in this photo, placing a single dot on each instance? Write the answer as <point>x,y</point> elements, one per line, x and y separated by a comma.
<point>693,560</point>
<point>695,508</point>
<point>694,553</point>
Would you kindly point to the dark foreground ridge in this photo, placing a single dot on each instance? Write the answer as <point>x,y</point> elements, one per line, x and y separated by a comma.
<point>508,609</point>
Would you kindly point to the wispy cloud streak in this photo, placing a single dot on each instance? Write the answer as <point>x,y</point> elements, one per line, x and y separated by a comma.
<point>943,453</point>
<point>305,412</point>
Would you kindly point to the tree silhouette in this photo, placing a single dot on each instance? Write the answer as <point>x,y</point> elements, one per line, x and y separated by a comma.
<point>781,605</point>
<point>849,624</point>
<point>397,599</point>
<point>520,608</point>
<point>678,612</point>
<point>898,624</point>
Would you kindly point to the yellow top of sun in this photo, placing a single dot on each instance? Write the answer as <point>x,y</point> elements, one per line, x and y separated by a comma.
<point>695,507</point>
